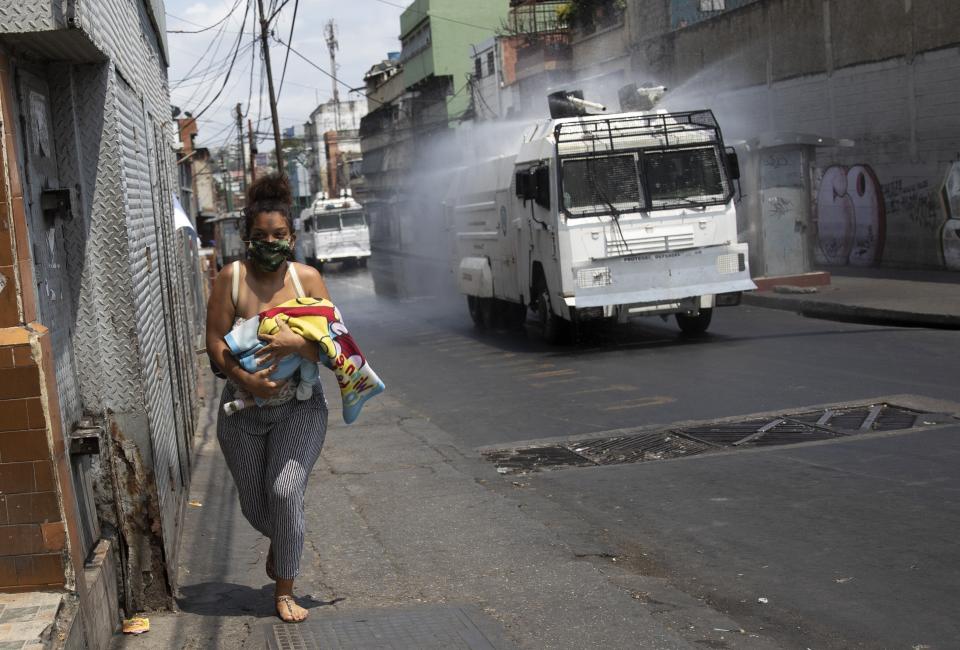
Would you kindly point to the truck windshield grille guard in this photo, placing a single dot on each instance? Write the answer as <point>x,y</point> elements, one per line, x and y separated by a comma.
<point>641,163</point>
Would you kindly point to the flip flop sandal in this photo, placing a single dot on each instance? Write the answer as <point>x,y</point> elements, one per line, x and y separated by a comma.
<point>287,601</point>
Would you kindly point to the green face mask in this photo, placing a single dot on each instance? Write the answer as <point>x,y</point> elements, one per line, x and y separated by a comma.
<point>269,255</point>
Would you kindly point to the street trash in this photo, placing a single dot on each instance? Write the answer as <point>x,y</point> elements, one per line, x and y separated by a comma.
<point>502,470</point>
<point>195,503</point>
<point>762,600</point>
<point>136,625</point>
<point>841,581</point>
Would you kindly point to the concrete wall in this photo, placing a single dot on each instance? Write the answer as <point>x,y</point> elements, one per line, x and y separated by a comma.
<point>883,73</point>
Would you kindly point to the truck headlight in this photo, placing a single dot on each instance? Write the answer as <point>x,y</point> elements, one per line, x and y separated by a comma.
<point>595,277</point>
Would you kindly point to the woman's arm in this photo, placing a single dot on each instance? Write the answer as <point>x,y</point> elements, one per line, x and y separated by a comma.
<point>220,315</point>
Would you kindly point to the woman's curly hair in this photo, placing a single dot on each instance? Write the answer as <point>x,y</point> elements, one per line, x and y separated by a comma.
<point>270,193</point>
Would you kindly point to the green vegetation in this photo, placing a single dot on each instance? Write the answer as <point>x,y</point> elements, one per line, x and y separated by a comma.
<point>591,13</point>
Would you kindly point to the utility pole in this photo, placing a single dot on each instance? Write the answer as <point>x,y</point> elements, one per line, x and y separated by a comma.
<point>331,33</point>
<point>265,48</point>
<point>226,179</point>
<point>253,151</point>
<point>243,157</point>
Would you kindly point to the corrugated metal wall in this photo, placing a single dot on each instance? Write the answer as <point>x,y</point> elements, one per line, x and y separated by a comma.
<point>147,256</point>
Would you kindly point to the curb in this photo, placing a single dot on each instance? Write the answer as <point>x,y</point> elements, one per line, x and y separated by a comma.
<point>854,313</point>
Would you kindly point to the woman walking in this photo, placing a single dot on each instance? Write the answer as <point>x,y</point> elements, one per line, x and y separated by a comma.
<point>270,449</point>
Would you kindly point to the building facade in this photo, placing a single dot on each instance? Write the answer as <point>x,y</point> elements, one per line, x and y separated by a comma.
<point>881,78</point>
<point>342,120</point>
<point>97,329</point>
<point>436,70</point>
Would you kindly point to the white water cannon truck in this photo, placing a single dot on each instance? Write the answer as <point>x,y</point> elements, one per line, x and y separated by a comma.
<point>601,217</point>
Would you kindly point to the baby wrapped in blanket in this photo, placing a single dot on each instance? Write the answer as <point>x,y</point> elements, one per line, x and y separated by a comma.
<point>318,321</point>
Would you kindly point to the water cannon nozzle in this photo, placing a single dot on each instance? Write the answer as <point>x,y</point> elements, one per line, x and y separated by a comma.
<point>583,103</point>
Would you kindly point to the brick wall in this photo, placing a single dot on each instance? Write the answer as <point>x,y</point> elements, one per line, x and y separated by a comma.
<point>32,533</point>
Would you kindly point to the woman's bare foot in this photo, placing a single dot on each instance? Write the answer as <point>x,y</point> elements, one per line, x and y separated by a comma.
<point>289,611</point>
<point>287,608</point>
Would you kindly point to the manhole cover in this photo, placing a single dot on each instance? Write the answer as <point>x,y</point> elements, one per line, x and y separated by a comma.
<point>785,429</point>
<point>422,628</point>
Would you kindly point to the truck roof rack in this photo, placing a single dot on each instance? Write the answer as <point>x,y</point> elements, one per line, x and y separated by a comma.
<point>637,131</point>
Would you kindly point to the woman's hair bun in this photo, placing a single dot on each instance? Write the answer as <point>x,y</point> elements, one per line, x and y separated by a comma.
<point>272,188</point>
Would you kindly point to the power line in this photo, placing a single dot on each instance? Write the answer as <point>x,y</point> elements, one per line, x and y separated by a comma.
<point>232,61</point>
<point>438,17</point>
<point>214,40</point>
<point>309,62</point>
<point>202,29</point>
<point>190,22</point>
<point>286,57</point>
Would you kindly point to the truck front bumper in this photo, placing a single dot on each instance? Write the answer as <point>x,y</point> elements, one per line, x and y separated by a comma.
<point>661,277</point>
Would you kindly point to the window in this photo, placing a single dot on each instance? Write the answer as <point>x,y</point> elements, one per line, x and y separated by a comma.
<point>491,67</point>
<point>592,185</point>
<point>477,68</point>
<point>329,221</point>
<point>352,219</point>
<point>712,5</point>
<point>683,176</point>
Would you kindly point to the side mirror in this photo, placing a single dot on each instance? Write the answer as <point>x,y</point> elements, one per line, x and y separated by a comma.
<point>525,184</point>
<point>733,164</point>
<point>542,190</point>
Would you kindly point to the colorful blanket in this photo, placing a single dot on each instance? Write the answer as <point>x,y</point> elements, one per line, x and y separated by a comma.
<point>319,321</point>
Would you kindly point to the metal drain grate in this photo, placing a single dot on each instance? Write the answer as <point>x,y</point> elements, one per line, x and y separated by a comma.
<point>426,628</point>
<point>786,429</point>
<point>639,448</point>
<point>512,460</point>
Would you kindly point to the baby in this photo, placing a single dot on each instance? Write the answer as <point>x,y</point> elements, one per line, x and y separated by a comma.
<point>318,321</point>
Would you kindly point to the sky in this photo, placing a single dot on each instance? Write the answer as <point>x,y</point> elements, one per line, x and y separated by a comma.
<point>366,30</point>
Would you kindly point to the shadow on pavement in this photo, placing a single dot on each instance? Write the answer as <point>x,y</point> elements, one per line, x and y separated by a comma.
<point>228,599</point>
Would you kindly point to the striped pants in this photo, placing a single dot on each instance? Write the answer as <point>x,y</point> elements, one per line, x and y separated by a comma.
<point>270,451</point>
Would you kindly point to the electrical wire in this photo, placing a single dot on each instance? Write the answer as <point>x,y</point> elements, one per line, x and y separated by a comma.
<point>202,28</point>
<point>286,57</point>
<point>314,65</point>
<point>214,41</point>
<point>230,70</point>
<point>253,58</point>
<point>438,17</point>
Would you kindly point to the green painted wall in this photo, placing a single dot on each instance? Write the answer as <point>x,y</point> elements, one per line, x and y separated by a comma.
<point>449,50</point>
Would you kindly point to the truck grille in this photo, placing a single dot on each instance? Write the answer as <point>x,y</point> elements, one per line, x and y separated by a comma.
<point>632,244</point>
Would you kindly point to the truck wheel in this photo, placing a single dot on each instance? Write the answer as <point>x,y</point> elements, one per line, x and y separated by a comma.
<point>510,315</point>
<point>362,262</point>
<point>554,328</point>
<point>695,325</point>
<point>481,311</point>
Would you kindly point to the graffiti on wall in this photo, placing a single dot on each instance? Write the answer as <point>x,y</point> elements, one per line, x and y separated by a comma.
<point>861,222</point>
<point>851,217</point>
<point>950,233</point>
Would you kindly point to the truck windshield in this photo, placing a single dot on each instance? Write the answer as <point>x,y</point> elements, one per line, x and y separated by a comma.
<point>352,219</point>
<point>328,221</point>
<point>683,175</point>
<point>671,178</point>
<point>592,185</point>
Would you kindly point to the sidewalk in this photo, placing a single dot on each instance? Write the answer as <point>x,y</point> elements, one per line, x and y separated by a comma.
<point>405,528</point>
<point>896,297</point>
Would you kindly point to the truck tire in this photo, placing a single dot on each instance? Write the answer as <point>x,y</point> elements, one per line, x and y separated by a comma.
<point>481,311</point>
<point>695,325</point>
<point>555,329</point>
<point>510,315</point>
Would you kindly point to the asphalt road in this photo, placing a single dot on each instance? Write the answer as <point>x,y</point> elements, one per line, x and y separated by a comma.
<point>851,543</point>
